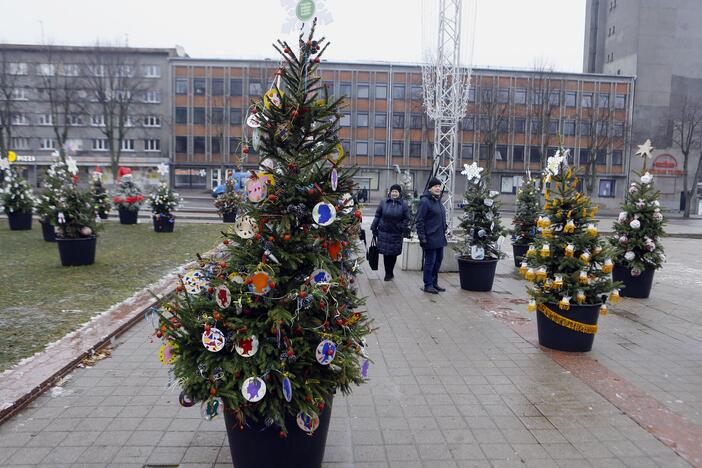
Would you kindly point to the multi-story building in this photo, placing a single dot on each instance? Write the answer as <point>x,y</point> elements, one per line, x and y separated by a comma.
<point>84,91</point>
<point>658,42</point>
<point>515,116</point>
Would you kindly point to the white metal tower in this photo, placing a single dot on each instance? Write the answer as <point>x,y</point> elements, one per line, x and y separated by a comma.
<point>446,83</point>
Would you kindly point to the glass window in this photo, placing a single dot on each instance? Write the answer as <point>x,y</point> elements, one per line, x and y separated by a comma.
<point>620,101</point>
<point>198,115</point>
<point>415,149</point>
<point>537,97</point>
<point>617,158</point>
<point>535,127</point>
<point>345,120</point>
<point>503,95</point>
<point>503,125</point>
<point>380,119</point>
<point>501,153</point>
<point>181,115</point>
<point>398,91</point>
<point>362,90</point>
<point>534,155</point>
<point>468,124</point>
<point>585,128</point>
<point>235,87</point>
<point>520,96</point>
<point>553,127</point>
<point>416,121</point>
<point>217,87</point>
<point>398,148</point>
<point>416,93</point>
<point>381,91</point>
<point>508,184</point>
<point>362,148</point>
<point>398,120</point>
<point>571,98</point>
<point>181,144</point>
<point>569,127</point>
<point>519,125</point>
<point>471,94</point>
<point>234,145</point>
<point>255,88</point>
<point>484,124</point>
<point>601,157</point>
<point>554,98</point>
<point>346,145</point>
<point>235,116</point>
<point>602,127</point>
<point>586,100</point>
<point>467,152</point>
<point>128,145</point>
<point>198,144</point>
<point>379,148</point>
<point>483,153</point>
<point>518,153</point>
<point>603,100</point>
<point>181,86</point>
<point>362,119</point>
<point>216,145</point>
<point>152,145</point>
<point>618,129</point>
<point>583,156</point>
<point>217,116</point>
<point>199,86</point>
<point>486,95</point>
<point>606,189</point>
<point>345,89</point>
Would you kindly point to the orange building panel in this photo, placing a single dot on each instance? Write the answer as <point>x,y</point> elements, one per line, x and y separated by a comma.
<point>379,134</point>
<point>362,133</point>
<point>588,86</point>
<point>362,104</point>
<point>622,88</point>
<point>345,133</point>
<point>415,135</point>
<point>181,71</point>
<point>328,75</point>
<point>362,160</point>
<point>181,157</point>
<point>236,72</point>
<point>217,101</point>
<point>199,101</point>
<point>363,76</point>
<point>571,85</point>
<point>379,161</point>
<point>181,130</point>
<point>235,131</point>
<point>501,165</point>
<point>181,101</point>
<point>345,76</point>
<point>398,160</point>
<point>399,77</point>
<point>416,78</point>
<point>504,82</point>
<point>398,105</point>
<point>381,77</point>
<point>199,71</point>
<point>218,72</point>
<point>381,104</point>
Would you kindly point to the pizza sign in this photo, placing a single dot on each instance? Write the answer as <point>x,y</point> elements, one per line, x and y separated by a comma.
<point>666,164</point>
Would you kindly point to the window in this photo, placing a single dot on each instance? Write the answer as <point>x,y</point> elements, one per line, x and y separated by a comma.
<point>586,100</point>
<point>603,100</point>
<point>47,144</point>
<point>467,152</point>
<point>509,184</point>
<point>19,143</point>
<point>198,115</point>
<point>503,95</point>
<point>416,93</point>
<point>345,89</point>
<point>379,148</point>
<point>553,127</point>
<point>125,71</point>
<point>198,145</point>
<point>398,148</point>
<point>46,69</point>
<point>19,119</point>
<point>398,91</point>
<point>217,116</point>
<point>468,124</point>
<point>501,153</point>
<point>620,101</point>
<point>75,120</point>
<point>520,96</point>
<point>585,128</point>
<point>415,149</point>
<point>602,127</point>
<point>381,91</point>
<point>199,86</point>
<point>535,127</point>
<point>152,71</point>
<point>181,86</point>
<point>503,125</point>
<point>181,115</point>
<point>519,125</point>
<point>583,156</point>
<point>97,120</point>
<point>20,94</point>
<point>601,157</point>
<point>606,189</point>
<point>517,153</point>
<point>255,88</point>
<point>181,144</point>
<point>45,119</point>
<point>534,155</point>
<point>569,127</point>
<point>216,145</point>
<point>345,120</point>
<point>486,95</point>
<point>97,70</point>
<point>398,120</point>
<point>17,68</point>
<point>153,96</point>
<point>234,116</point>
<point>617,158</point>
<point>416,121</point>
<point>217,86</point>
<point>361,148</point>
<point>484,124</point>
<point>618,129</point>
<point>571,98</point>
<point>380,120</point>
<point>471,94</point>
<point>554,98</point>
<point>483,152</point>
<point>234,145</point>
<point>537,97</point>
<point>362,119</point>
<point>152,145</point>
<point>235,87</point>
<point>362,91</point>
<point>152,121</point>
<point>100,144</point>
<point>127,145</point>
<point>346,145</point>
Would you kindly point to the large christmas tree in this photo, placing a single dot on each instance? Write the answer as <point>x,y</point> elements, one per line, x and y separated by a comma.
<point>274,326</point>
<point>528,208</point>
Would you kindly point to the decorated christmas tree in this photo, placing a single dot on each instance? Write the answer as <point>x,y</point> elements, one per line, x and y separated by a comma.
<point>16,195</point>
<point>101,199</point>
<point>76,216</point>
<point>528,209</point>
<point>57,178</point>
<point>229,201</point>
<point>164,201</point>
<point>481,219</point>
<point>128,195</point>
<point>274,326</point>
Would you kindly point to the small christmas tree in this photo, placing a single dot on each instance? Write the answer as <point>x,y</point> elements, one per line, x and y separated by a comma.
<point>164,201</point>
<point>16,195</point>
<point>101,199</point>
<point>58,177</point>
<point>481,220</point>
<point>76,216</point>
<point>230,200</point>
<point>273,327</point>
<point>527,212</point>
<point>567,263</point>
<point>128,195</point>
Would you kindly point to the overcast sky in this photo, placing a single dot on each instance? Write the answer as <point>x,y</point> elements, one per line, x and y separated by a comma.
<point>508,33</point>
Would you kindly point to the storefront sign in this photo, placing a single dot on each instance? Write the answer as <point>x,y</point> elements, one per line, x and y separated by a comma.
<point>25,158</point>
<point>666,164</point>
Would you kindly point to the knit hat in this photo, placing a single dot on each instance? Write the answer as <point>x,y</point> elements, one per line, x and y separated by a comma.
<point>432,182</point>
<point>396,187</point>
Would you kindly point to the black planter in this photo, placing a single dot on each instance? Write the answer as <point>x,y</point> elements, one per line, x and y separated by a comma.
<point>476,275</point>
<point>229,216</point>
<point>128,216</point>
<point>634,286</point>
<point>163,223</point>
<point>555,336</point>
<point>259,447</point>
<point>77,252</point>
<point>520,251</point>
<point>104,215</point>
<point>47,230</point>
<point>20,221</point>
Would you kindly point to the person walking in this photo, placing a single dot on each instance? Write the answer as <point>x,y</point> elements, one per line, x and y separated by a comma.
<point>431,229</point>
<point>389,226</point>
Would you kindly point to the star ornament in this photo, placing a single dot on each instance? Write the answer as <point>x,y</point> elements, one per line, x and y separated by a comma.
<point>162,169</point>
<point>553,163</point>
<point>645,150</point>
<point>72,166</point>
<point>472,171</point>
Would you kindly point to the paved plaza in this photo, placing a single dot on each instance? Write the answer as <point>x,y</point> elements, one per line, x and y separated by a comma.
<point>458,381</point>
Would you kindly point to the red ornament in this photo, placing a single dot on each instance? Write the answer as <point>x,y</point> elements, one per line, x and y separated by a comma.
<point>213,391</point>
<point>287,237</point>
<point>245,150</point>
<point>159,334</point>
<point>316,60</point>
<point>272,198</point>
<point>179,288</point>
<point>272,284</point>
<point>225,242</point>
<point>286,50</point>
<point>210,290</point>
<point>294,114</point>
<point>258,236</point>
<point>321,406</point>
<point>358,214</point>
<point>282,435</point>
<point>310,191</point>
<point>302,294</point>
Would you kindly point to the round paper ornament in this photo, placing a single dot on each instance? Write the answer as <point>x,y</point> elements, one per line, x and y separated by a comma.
<point>306,422</point>
<point>236,277</point>
<point>320,276</point>
<point>256,189</point>
<point>223,296</point>
<point>337,154</point>
<point>273,97</point>
<point>253,389</point>
<point>256,138</point>
<point>213,340</point>
<point>334,179</point>
<point>259,284</point>
<point>194,282</point>
<point>185,400</point>
<point>245,227</point>
<point>326,350</point>
<point>347,202</point>
<point>253,120</point>
<point>246,347</point>
<point>167,353</point>
<point>210,409</point>
<point>324,213</point>
<point>287,389</point>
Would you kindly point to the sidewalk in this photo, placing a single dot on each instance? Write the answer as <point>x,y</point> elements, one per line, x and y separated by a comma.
<point>458,381</point>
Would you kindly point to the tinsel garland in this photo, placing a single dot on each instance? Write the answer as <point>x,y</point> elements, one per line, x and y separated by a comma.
<point>566,322</point>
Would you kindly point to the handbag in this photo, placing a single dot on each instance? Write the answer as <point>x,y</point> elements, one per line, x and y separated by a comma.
<point>373,254</point>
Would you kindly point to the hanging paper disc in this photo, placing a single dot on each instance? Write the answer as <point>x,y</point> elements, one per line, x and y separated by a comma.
<point>306,422</point>
<point>334,179</point>
<point>210,409</point>
<point>245,227</point>
<point>223,296</point>
<point>236,277</point>
<point>326,350</point>
<point>320,276</point>
<point>259,283</point>
<point>272,97</point>
<point>337,154</point>
<point>324,213</point>
<point>167,353</point>
<point>186,401</point>
<point>287,389</point>
<point>347,203</point>
<point>194,282</point>
<point>256,138</point>
<point>253,120</point>
<point>213,340</point>
<point>246,347</point>
<point>256,189</point>
<point>253,389</point>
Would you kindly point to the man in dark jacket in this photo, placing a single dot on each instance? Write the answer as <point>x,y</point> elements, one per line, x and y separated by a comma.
<point>431,228</point>
<point>389,226</point>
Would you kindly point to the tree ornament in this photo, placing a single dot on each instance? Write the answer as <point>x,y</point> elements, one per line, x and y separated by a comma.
<point>622,216</point>
<point>308,422</point>
<point>541,274</point>
<point>569,227</point>
<point>531,307</point>
<point>635,224</point>
<point>583,278</point>
<point>569,250</point>
<point>607,266</point>
<point>545,250</point>
<point>629,255</point>
<point>325,352</point>
<point>564,303</point>
<point>558,282</point>
<point>213,339</point>
<point>580,296</point>
<point>246,347</point>
<point>603,309</point>
<point>591,230</point>
<point>585,257</point>
<point>253,389</point>
<point>530,274</point>
<point>523,268</point>
<point>531,251</point>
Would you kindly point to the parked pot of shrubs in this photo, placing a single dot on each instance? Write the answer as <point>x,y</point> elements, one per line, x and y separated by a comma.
<point>101,199</point>
<point>128,198</point>
<point>228,202</point>
<point>76,227</point>
<point>59,175</point>
<point>164,202</point>
<point>17,200</point>
<point>524,220</point>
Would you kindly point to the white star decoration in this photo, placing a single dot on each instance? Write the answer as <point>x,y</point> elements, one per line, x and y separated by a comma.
<point>71,165</point>
<point>472,172</point>
<point>162,169</point>
<point>645,149</point>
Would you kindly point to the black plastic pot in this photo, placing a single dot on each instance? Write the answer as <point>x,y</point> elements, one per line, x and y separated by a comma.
<point>229,216</point>
<point>476,275</point>
<point>555,336</point>
<point>47,231</point>
<point>103,214</point>
<point>20,221</point>
<point>520,251</point>
<point>634,286</point>
<point>128,216</point>
<point>77,252</point>
<point>163,223</point>
<point>260,447</point>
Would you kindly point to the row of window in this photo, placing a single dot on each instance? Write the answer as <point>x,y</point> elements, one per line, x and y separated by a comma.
<point>74,69</point>
<point>518,153</point>
<point>148,97</point>
<point>96,120</point>
<point>97,144</point>
<point>511,183</point>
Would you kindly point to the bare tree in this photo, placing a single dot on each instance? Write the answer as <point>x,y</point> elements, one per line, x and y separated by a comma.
<point>544,101</point>
<point>493,120</point>
<point>8,105</point>
<point>116,91</point>
<point>597,122</point>
<point>686,119</point>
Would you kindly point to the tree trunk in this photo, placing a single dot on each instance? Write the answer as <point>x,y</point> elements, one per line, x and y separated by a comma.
<point>690,194</point>
<point>686,190</point>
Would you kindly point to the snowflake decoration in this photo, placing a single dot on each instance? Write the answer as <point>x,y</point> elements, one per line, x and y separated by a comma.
<point>72,166</point>
<point>554,162</point>
<point>162,169</point>
<point>472,172</point>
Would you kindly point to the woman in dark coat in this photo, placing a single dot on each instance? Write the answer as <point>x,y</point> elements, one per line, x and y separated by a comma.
<point>390,225</point>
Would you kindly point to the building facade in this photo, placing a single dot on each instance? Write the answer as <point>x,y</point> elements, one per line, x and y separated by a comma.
<point>78,92</point>
<point>513,122</point>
